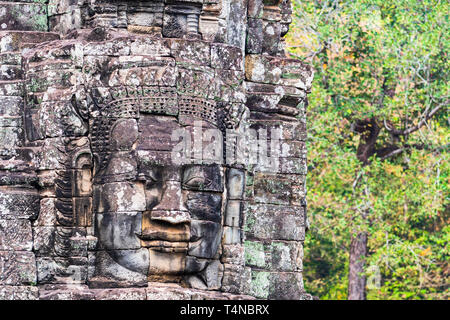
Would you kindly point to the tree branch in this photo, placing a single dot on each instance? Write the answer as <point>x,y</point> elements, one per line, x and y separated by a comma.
<point>393,153</point>
<point>421,123</point>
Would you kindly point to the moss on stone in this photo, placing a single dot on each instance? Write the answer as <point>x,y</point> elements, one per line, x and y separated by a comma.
<point>254,254</point>
<point>260,284</point>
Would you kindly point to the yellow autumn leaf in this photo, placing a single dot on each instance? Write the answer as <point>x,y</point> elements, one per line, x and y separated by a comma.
<point>426,252</point>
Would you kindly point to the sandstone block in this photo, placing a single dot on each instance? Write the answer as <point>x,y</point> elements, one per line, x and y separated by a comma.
<point>275,222</point>
<point>61,270</point>
<point>23,16</point>
<point>18,204</point>
<point>18,293</point>
<point>17,268</point>
<point>226,57</point>
<point>15,235</point>
<point>275,255</point>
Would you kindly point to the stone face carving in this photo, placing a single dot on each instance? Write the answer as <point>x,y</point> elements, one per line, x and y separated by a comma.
<point>158,219</point>
<point>151,149</point>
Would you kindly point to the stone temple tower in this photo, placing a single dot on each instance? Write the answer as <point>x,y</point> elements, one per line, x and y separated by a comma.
<point>151,150</point>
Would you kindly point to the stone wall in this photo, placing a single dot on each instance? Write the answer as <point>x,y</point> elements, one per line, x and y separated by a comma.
<point>76,78</point>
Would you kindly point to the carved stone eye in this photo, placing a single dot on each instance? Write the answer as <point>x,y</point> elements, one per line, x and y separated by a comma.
<point>198,182</point>
<point>195,178</point>
<point>202,178</point>
<point>151,178</point>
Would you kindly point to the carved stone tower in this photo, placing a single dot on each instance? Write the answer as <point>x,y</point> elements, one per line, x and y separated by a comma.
<point>151,150</point>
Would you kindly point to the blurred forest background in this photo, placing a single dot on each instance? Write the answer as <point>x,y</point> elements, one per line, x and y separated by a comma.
<point>378,130</point>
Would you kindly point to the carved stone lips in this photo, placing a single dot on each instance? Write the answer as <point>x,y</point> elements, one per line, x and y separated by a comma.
<point>167,246</point>
<point>163,241</point>
<point>155,235</point>
<point>162,235</point>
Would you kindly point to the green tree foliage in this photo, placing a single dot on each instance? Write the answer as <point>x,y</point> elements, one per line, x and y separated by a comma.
<point>378,143</point>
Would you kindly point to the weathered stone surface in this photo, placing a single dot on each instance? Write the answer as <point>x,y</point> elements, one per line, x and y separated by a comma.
<point>271,188</point>
<point>17,268</point>
<point>15,40</point>
<point>277,285</point>
<point>277,255</point>
<point>235,183</point>
<point>53,241</point>
<point>156,291</point>
<point>119,197</point>
<point>10,72</point>
<point>293,166</point>
<point>15,235</point>
<point>286,286</point>
<point>191,51</point>
<point>205,206</point>
<point>50,155</point>
<point>156,230</point>
<point>61,270</point>
<point>58,118</point>
<point>156,133</point>
<point>65,292</point>
<point>23,16</point>
<point>10,136</point>
<point>255,36</point>
<point>47,213</point>
<point>226,57</point>
<point>11,106</point>
<point>255,8</point>
<point>234,213</point>
<point>120,268</point>
<point>259,284</point>
<point>266,69</point>
<point>157,47</point>
<point>166,263</point>
<point>118,230</point>
<point>11,58</point>
<point>212,275</point>
<point>18,293</point>
<point>236,278</point>
<point>203,273</point>
<point>11,88</point>
<point>229,85</point>
<point>232,235</point>
<point>18,204</point>
<point>120,294</point>
<point>205,238</point>
<point>109,48</point>
<point>275,222</point>
<point>233,254</point>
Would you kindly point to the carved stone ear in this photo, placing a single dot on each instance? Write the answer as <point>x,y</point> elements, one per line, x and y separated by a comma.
<point>124,134</point>
<point>82,180</point>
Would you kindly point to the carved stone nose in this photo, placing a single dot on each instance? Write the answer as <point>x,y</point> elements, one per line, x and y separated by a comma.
<point>171,208</point>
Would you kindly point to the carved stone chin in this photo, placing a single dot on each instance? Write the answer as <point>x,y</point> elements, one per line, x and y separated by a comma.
<point>152,142</point>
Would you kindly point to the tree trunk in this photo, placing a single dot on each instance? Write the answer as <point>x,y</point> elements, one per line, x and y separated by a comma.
<point>369,131</point>
<point>356,277</point>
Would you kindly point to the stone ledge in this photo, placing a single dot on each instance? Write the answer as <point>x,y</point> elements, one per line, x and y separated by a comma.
<point>154,291</point>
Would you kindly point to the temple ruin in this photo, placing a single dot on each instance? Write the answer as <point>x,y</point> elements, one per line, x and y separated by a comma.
<point>151,150</point>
